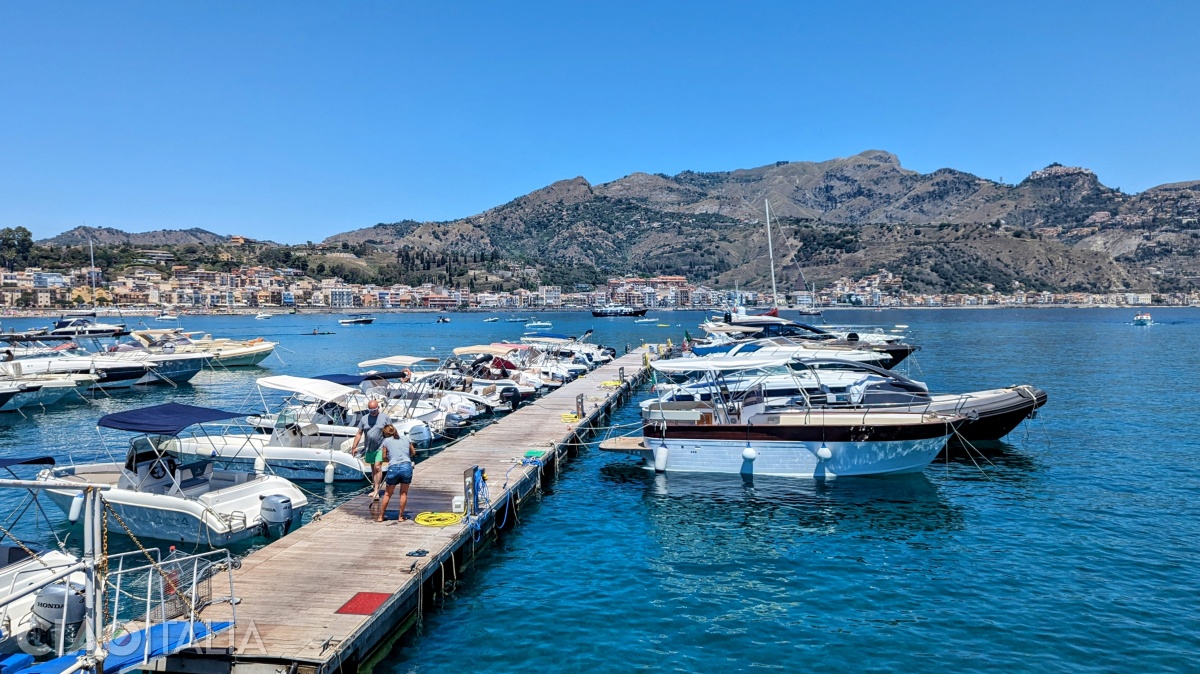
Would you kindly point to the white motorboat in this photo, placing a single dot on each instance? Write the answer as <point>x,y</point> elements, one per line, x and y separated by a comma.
<point>85,326</point>
<point>743,435</point>
<point>164,366</point>
<point>308,438</point>
<point>646,320</point>
<point>539,325</point>
<point>491,319</point>
<point>32,390</point>
<point>223,352</point>
<point>22,569</point>
<point>166,316</point>
<point>357,319</point>
<point>156,496</point>
<point>262,316</point>
<point>1143,318</point>
<point>110,373</point>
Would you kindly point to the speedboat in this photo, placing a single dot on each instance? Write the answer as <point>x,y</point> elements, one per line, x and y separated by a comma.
<point>442,319</point>
<point>109,373</point>
<point>22,569</point>
<point>19,391</point>
<point>262,316</point>
<point>164,366</point>
<point>154,495</point>
<point>833,383</point>
<point>223,352</point>
<point>357,319</point>
<point>84,326</point>
<point>646,320</point>
<point>491,319</point>
<point>617,310</point>
<point>539,325</point>
<point>741,434</point>
<point>166,316</point>
<point>1143,318</point>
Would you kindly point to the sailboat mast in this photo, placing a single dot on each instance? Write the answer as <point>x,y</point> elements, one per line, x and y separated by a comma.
<point>771,255</point>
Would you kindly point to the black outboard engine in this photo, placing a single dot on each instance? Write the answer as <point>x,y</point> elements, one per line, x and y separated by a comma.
<point>59,611</point>
<point>276,514</point>
<point>510,395</point>
<point>610,352</point>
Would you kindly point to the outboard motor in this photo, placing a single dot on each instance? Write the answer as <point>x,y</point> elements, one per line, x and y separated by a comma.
<point>511,395</point>
<point>276,514</point>
<point>610,352</point>
<point>59,610</point>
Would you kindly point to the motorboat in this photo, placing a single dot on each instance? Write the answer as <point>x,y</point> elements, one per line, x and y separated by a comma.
<point>729,434</point>
<point>1143,318</point>
<point>724,334</point>
<point>23,569</point>
<point>155,495</point>
<point>262,316</point>
<point>166,316</point>
<point>20,391</point>
<point>646,320</point>
<point>491,319</point>
<point>617,310</point>
<point>833,383</point>
<point>442,319</point>
<point>357,319</point>
<point>163,366</point>
<point>517,319</point>
<point>539,325</point>
<point>85,325</point>
<point>223,352</point>
<point>109,372</point>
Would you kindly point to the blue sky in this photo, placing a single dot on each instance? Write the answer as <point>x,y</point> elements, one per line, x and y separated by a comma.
<point>296,120</point>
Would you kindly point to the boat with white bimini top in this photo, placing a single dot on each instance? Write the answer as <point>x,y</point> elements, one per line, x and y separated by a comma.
<point>740,434</point>
<point>156,496</point>
<point>104,613</point>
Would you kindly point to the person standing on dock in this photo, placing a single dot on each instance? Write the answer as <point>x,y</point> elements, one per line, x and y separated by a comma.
<point>370,433</point>
<point>399,458</point>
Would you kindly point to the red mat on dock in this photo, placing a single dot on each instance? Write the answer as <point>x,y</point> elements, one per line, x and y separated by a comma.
<point>364,603</point>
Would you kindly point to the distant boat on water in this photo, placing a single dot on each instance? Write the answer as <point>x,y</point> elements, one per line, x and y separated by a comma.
<point>493,319</point>
<point>539,325</point>
<point>357,319</point>
<point>1143,318</point>
<point>617,310</point>
<point>646,320</point>
<point>262,317</point>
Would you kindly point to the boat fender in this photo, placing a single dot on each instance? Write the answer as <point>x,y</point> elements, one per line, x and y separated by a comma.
<point>661,454</point>
<point>329,470</point>
<point>259,464</point>
<point>76,508</point>
<point>748,454</point>
<point>824,453</point>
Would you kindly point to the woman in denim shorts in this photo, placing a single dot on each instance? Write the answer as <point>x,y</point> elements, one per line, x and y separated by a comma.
<point>399,458</point>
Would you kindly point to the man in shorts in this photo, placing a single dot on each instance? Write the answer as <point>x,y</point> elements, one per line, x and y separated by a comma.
<point>370,433</point>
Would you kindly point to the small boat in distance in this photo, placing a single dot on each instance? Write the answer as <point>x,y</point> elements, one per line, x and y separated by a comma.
<point>166,316</point>
<point>262,316</point>
<point>617,310</point>
<point>646,320</point>
<point>516,319</point>
<point>492,319</point>
<point>357,319</point>
<point>539,325</point>
<point>442,319</point>
<point>1143,318</point>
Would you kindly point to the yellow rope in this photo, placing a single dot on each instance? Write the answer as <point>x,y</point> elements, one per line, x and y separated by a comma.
<point>431,519</point>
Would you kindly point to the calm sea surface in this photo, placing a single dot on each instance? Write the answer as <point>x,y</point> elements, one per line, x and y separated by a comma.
<point>1072,546</point>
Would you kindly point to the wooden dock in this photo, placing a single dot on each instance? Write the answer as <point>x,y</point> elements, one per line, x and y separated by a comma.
<point>335,594</point>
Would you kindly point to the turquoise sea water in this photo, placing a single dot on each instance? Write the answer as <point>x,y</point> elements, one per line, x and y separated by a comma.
<point>1072,546</point>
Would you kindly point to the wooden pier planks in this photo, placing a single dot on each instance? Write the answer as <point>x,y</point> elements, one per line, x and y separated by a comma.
<point>291,590</point>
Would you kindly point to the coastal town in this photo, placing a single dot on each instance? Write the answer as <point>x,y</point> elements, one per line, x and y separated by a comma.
<point>255,287</point>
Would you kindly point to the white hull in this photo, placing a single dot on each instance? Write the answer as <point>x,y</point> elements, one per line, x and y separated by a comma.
<point>15,617</point>
<point>216,518</point>
<point>239,452</point>
<point>792,459</point>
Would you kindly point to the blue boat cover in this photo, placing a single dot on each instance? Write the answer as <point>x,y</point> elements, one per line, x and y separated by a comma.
<point>168,419</point>
<point>126,653</point>
<point>356,379</point>
<point>28,461</point>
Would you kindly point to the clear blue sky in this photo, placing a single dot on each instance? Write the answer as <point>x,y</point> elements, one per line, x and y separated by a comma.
<point>296,120</point>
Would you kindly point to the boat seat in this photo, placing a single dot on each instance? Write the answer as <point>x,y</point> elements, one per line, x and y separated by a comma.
<point>222,479</point>
<point>198,475</point>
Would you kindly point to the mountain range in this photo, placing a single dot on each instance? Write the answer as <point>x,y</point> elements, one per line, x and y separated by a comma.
<point>1058,229</point>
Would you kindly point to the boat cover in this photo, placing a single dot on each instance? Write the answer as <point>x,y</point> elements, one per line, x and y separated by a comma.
<point>28,461</point>
<point>166,419</point>
<point>356,379</point>
<point>325,391</point>
<point>399,361</point>
<point>128,652</point>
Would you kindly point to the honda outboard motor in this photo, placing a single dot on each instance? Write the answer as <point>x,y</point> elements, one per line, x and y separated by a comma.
<point>511,395</point>
<point>58,611</point>
<point>276,514</point>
